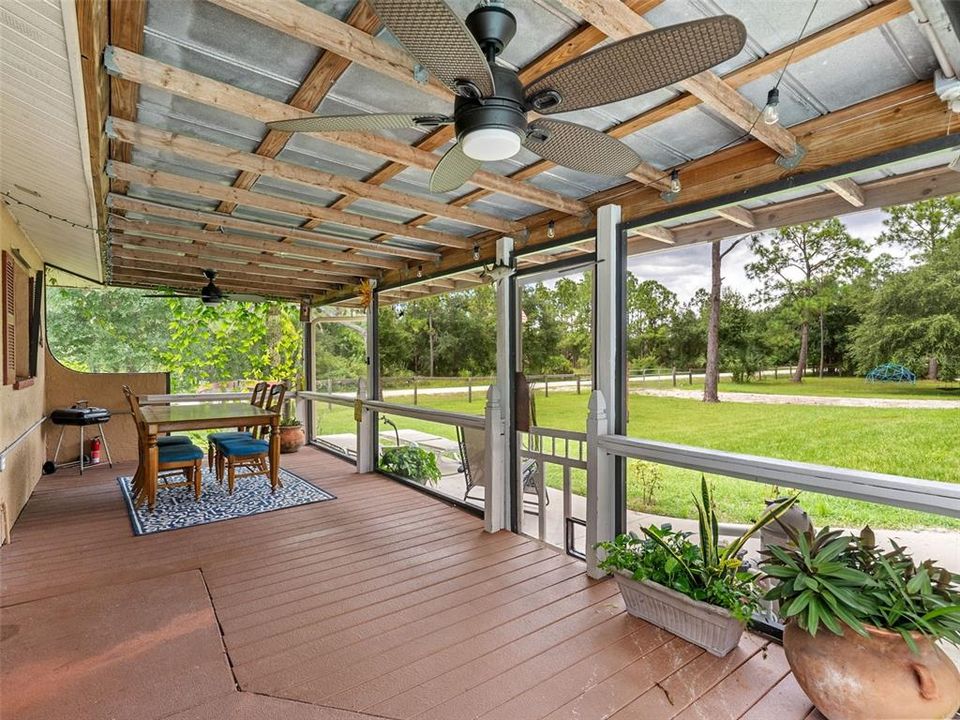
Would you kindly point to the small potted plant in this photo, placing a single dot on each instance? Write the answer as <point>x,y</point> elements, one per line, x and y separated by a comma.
<point>411,462</point>
<point>292,437</point>
<point>862,626</point>
<point>701,592</point>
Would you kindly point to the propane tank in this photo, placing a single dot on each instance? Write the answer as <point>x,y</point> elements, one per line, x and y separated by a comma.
<point>95,451</point>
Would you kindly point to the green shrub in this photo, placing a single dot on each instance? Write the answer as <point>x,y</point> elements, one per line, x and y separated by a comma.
<point>411,462</point>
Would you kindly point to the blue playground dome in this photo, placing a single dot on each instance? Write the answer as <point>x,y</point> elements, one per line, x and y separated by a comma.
<point>891,372</point>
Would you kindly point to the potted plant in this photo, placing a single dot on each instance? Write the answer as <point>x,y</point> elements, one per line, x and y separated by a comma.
<point>862,626</point>
<point>292,436</point>
<point>411,462</point>
<point>701,592</point>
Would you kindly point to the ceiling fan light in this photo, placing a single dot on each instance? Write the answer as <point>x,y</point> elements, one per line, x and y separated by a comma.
<point>491,144</point>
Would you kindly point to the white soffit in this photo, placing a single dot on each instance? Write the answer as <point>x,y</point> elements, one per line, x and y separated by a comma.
<point>44,159</point>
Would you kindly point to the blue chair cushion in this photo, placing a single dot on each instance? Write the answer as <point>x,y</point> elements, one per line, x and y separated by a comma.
<point>167,440</point>
<point>219,437</point>
<point>244,448</point>
<point>180,452</point>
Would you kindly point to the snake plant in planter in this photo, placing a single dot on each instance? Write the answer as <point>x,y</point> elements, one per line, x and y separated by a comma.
<point>862,624</point>
<point>699,591</point>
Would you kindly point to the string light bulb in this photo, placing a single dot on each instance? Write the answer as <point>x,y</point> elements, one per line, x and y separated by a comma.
<point>675,185</point>
<point>771,111</point>
<point>551,229</point>
<point>476,252</point>
<point>419,271</point>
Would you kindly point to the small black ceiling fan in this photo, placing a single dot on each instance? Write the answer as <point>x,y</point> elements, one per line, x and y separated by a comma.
<point>210,294</point>
<point>490,110</point>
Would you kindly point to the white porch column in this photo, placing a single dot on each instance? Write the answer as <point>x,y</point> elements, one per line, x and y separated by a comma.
<point>499,517</point>
<point>601,483</point>
<point>493,498</point>
<point>367,428</point>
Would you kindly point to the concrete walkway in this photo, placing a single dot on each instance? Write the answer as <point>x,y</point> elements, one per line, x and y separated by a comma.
<point>819,400</point>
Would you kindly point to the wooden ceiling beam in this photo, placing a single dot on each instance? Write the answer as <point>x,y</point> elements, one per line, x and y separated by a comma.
<point>123,202</point>
<point>657,232</point>
<point>206,252</point>
<point>619,22</point>
<point>145,259</point>
<point>214,191</point>
<point>213,93</point>
<point>127,18</point>
<point>189,147</point>
<point>847,189</point>
<point>227,245</point>
<point>740,215</point>
<point>189,289</point>
<point>317,28</point>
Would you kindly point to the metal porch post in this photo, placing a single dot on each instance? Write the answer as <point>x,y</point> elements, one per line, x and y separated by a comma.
<point>602,472</point>
<point>499,511</point>
<point>367,430</point>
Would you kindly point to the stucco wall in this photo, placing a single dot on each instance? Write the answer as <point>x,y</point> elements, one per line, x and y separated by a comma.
<point>66,386</point>
<point>20,409</point>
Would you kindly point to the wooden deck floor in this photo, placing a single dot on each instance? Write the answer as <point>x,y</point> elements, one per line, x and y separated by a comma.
<point>381,603</point>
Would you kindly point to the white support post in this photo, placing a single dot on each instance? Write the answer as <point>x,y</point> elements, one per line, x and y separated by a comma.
<point>367,428</point>
<point>505,370</point>
<point>493,500</point>
<point>600,496</point>
<point>601,483</point>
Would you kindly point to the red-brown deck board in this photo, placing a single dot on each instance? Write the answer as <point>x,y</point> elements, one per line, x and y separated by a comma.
<point>382,603</point>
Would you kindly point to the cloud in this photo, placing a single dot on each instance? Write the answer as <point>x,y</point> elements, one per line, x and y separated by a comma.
<point>687,269</point>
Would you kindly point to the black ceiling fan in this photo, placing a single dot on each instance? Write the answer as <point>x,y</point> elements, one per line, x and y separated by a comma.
<point>491,107</point>
<point>210,294</point>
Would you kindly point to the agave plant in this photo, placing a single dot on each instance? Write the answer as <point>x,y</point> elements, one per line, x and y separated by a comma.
<point>708,570</point>
<point>831,579</point>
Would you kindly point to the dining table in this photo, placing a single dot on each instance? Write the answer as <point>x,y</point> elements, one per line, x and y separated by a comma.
<point>159,419</point>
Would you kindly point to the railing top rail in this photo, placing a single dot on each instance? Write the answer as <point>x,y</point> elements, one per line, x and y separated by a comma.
<point>346,399</point>
<point>927,495</point>
<point>429,414</point>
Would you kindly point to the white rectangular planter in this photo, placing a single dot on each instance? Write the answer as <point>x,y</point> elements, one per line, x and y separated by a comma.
<point>712,628</point>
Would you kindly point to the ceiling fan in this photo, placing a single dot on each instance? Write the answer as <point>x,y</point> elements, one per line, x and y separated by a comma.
<point>491,105</point>
<point>210,294</point>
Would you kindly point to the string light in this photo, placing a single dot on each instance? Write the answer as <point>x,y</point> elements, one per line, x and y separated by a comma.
<point>476,252</point>
<point>675,185</point>
<point>771,111</point>
<point>57,218</point>
<point>419,271</point>
<point>551,229</point>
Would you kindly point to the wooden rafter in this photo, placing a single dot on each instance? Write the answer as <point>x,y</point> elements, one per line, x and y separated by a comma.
<point>619,22</point>
<point>741,216</point>
<point>127,18</point>
<point>242,102</point>
<point>659,233</point>
<point>215,191</point>
<point>172,278</point>
<point>257,165</point>
<point>847,189</point>
<point>93,31</point>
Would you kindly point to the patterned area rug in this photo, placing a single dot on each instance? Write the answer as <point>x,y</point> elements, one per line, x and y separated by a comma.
<point>176,508</point>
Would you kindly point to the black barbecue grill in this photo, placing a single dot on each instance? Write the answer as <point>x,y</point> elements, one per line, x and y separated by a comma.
<point>78,416</point>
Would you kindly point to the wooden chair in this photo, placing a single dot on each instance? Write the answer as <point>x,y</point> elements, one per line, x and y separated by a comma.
<point>249,453</point>
<point>257,398</point>
<point>179,458</point>
<point>163,440</point>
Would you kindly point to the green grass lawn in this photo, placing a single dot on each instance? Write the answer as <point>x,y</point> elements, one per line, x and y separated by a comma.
<point>915,443</point>
<point>827,387</point>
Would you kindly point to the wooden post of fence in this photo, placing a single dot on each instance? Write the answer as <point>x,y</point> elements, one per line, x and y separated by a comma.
<point>329,392</point>
<point>578,384</point>
<point>469,389</point>
<point>690,376</point>
<point>546,386</point>
<point>674,376</point>
<point>775,375</point>
<point>415,390</point>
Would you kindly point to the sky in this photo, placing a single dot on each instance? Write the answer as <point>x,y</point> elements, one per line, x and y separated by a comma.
<point>685,270</point>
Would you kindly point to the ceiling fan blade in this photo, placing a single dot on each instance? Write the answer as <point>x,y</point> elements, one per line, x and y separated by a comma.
<point>360,123</point>
<point>637,65</point>
<point>579,147</point>
<point>453,170</point>
<point>438,40</point>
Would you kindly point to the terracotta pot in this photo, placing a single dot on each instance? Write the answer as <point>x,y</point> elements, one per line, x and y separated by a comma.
<point>292,438</point>
<point>851,677</point>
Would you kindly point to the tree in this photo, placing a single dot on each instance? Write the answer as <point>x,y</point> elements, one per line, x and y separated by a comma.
<point>797,264</point>
<point>915,315</point>
<point>711,377</point>
<point>923,226</point>
<point>650,310</point>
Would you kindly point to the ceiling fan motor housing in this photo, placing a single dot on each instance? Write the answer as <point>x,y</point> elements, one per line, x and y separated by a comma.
<point>503,110</point>
<point>493,27</point>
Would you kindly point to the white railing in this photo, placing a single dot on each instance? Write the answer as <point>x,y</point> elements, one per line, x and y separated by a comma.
<point>566,449</point>
<point>903,492</point>
<point>429,414</point>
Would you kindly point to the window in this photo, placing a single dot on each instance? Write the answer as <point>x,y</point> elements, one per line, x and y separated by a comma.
<point>21,322</point>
